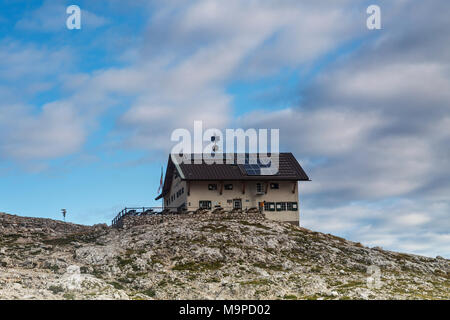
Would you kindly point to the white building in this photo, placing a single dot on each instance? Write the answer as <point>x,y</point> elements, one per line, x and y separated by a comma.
<point>190,187</point>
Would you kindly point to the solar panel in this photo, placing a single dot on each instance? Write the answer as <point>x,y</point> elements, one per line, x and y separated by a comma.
<point>255,169</point>
<point>252,169</point>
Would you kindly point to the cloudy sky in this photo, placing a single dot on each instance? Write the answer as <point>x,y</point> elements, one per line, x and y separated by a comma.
<point>86,115</point>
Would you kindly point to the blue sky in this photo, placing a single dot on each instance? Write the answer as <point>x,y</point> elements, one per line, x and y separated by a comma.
<point>86,115</point>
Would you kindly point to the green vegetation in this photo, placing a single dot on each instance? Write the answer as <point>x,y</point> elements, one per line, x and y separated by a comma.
<point>56,289</point>
<point>198,266</point>
<point>69,296</point>
<point>149,292</point>
<point>122,262</point>
<point>258,225</point>
<point>316,269</point>
<point>214,228</point>
<point>117,285</point>
<point>273,267</point>
<point>75,237</point>
<point>256,282</point>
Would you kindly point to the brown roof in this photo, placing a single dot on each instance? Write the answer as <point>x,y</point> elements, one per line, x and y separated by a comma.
<point>288,169</point>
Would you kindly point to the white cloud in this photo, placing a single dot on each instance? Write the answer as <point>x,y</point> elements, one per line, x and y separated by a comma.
<point>186,60</point>
<point>30,62</point>
<point>54,132</point>
<point>414,226</point>
<point>191,54</point>
<point>411,219</point>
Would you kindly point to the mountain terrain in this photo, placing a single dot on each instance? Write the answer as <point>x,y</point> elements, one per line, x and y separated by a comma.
<point>193,258</point>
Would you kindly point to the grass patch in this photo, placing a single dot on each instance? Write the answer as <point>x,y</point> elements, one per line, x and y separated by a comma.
<point>154,260</point>
<point>56,289</point>
<point>149,292</point>
<point>123,262</point>
<point>257,225</point>
<point>116,285</point>
<point>316,269</point>
<point>76,237</point>
<point>257,282</point>
<point>125,280</point>
<point>351,284</point>
<point>214,228</point>
<point>198,266</point>
<point>273,267</point>
<point>69,296</point>
<point>290,297</point>
<point>97,273</point>
<point>53,267</point>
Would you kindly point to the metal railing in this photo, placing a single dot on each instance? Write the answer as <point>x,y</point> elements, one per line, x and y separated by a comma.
<point>138,211</point>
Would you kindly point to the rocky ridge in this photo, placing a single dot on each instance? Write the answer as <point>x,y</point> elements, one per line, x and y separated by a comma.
<point>226,258</point>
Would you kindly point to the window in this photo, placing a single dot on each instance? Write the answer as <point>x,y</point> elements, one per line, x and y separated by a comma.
<point>269,206</point>
<point>229,187</point>
<point>292,206</point>
<point>279,206</point>
<point>274,186</point>
<point>212,186</point>
<point>259,188</point>
<point>203,204</point>
<point>182,190</point>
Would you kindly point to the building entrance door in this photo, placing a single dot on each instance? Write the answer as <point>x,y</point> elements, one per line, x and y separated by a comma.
<point>237,204</point>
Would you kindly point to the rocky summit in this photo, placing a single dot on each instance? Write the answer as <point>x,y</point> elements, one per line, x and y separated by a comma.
<point>193,258</point>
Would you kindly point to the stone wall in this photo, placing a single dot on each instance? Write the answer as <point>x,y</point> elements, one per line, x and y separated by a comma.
<point>132,221</point>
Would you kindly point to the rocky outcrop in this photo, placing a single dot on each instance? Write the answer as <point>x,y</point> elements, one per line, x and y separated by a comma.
<point>26,226</point>
<point>235,258</point>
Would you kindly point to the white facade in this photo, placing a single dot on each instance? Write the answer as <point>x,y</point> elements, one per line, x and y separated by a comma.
<point>277,199</point>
